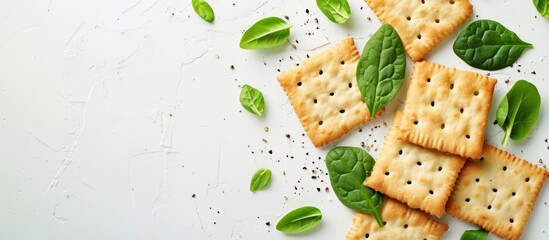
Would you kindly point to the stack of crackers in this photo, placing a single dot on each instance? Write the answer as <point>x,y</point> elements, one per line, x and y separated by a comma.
<point>434,159</point>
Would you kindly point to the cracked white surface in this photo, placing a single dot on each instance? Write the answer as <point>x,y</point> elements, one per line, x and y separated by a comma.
<point>121,120</point>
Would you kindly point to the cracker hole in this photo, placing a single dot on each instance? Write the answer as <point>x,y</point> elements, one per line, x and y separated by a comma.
<point>527,179</point>
<point>367,235</point>
<point>409,182</point>
<point>489,206</point>
<point>504,168</point>
<point>419,163</point>
<point>331,94</point>
<point>467,200</point>
<point>452,2</point>
<point>467,136</point>
<point>386,173</point>
<point>461,111</point>
<point>511,220</point>
<point>439,169</point>
<point>315,101</point>
<point>432,104</point>
<point>299,84</point>
<point>320,72</point>
<point>431,192</point>
<point>442,126</point>
<point>342,111</point>
<point>437,21</point>
<point>320,123</point>
<point>405,225</point>
<point>384,223</point>
<point>477,180</point>
<point>513,194</point>
<point>400,152</point>
<point>342,62</point>
<point>494,190</point>
<point>428,79</point>
<point>408,18</point>
<point>350,85</point>
<point>419,36</point>
<point>476,93</point>
<point>415,122</point>
<point>481,158</point>
<point>422,1</point>
<point>451,86</point>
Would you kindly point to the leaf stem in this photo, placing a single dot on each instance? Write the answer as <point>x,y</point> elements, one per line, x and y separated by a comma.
<point>377,216</point>
<point>506,138</point>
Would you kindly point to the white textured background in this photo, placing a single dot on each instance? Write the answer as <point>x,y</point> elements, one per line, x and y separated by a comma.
<point>114,114</point>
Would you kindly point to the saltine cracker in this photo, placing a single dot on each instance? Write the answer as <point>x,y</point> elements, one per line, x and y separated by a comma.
<point>421,24</point>
<point>324,93</point>
<point>447,109</point>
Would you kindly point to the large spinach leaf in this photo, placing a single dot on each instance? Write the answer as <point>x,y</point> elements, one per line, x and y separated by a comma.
<point>348,168</point>
<point>299,220</point>
<point>518,111</point>
<point>474,235</point>
<point>381,68</point>
<point>488,45</point>
<point>543,7</point>
<point>266,33</point>
<point>337,11</point>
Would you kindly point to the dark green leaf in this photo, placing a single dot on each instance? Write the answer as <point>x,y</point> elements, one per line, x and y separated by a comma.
<point>266,33</point>
<point>474,235</point>
<point>348,168</point>
<point>299,220</point>
<point>252,100</point>
<point>488,45</point>
<point>543,7</point>
<point>203,9</point>
<point>518,111</point>
<point>337,11</point>
<point>261,179</point>
<point>381,68</point>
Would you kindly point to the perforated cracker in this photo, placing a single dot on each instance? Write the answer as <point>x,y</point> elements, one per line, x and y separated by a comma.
<point>497,192</point>
<point>421,24</point>
<point>401,222</point>
<point>447,109</point>
<point>324,93</point>
<point>422,178</point>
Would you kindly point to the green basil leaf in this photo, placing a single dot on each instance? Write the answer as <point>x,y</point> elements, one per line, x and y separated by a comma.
<point>474,235</point>
<point>266,33</point>
<point>381,68</point>
<point>261,179</point>
<point>348,168</point>
<point>203,9</point>
<point>252,100</point>
<point>488,45</point>
<point>543,7</point>
<point>337,11</point>
<point>299,220</point>
<point>518,111</point>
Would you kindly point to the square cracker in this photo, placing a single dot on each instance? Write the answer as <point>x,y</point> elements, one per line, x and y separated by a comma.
<point>497,193</point>
<point>447,109</point>
<point>421,24</point>
<point>324,93</point>
<point>420,177</point>
<point>401,222</point>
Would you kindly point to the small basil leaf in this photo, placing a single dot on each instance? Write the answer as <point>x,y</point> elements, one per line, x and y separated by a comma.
<point>348,168</point>
<point>203,9</point>
<point>518,111</point>
<point>474,235</point>
<point>261,179</point>
<point>488,45</point>
<point>299,220</point>
<point>266,33</point>
<point>381,68</point>
<point>252,100</point>
<point>543,7</point>
<point>337,11</point>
